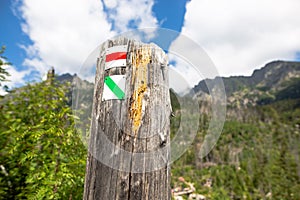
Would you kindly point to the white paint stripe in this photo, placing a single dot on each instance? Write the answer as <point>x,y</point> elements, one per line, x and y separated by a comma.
<point>108,94</point>
<point>120,48</point>
<point>115,63</point>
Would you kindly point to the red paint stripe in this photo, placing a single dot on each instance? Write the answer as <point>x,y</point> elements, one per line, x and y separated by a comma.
<point>116,56</point>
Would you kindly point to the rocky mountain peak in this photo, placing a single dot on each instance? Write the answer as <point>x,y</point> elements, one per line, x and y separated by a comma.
<point>276,80</point>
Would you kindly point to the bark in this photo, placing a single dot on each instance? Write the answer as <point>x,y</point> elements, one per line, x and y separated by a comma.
<point>137,126</point>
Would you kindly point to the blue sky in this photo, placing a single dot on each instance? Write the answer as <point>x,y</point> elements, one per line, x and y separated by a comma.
<point>11,34</point>
<point>238,36</point>
<point>15,39</point>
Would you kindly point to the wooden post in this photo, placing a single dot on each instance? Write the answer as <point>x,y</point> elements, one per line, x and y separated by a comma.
<point>129,144</point>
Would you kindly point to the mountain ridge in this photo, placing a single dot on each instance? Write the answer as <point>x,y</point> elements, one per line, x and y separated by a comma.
<point>275,81</point>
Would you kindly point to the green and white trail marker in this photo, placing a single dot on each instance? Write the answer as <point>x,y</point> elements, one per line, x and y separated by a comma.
<point>114,87</point>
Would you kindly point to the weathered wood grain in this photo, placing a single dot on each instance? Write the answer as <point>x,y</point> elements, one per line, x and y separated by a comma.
<point>138,125</point>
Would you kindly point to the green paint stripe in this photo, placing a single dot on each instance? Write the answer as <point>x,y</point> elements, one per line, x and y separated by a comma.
<point>114,87</point>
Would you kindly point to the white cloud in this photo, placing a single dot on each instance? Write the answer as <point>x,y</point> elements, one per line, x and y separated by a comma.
<point>178,81</point>
<point>36,64</point>
<point>240,36</point>
<point>191,62</point>
<point>182,74</point>
<point>63,32</point>
<point>111,4</point>
<point>15,79</point>
<point>138,12</point>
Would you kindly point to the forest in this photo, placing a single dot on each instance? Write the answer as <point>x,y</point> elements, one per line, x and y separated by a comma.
<point>256,157</point>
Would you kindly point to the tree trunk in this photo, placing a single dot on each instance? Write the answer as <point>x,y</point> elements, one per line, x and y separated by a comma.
<point>129,145</point>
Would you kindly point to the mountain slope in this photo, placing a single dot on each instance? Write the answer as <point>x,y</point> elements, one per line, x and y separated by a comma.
<point>257,153</point>
<point>277,80</point>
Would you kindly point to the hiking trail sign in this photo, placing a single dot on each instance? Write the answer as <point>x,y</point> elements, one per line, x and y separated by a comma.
<point>129,142</point>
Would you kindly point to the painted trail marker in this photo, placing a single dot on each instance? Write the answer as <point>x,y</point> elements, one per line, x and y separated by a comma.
<point>129,142</point>
<point>114,87</point>
<point>116,56</point>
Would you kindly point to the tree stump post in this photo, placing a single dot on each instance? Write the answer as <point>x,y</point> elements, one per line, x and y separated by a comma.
<point>129,144</point>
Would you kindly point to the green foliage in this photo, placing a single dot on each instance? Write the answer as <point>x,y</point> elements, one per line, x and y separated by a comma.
<point>257,159</point>
<point>265,98</point>
<point>291,91</point>
<point>40,150</point>
<point>43,157</point>
<point>3,73</point>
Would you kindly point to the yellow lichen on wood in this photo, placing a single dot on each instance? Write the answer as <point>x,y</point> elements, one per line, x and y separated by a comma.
<point>136,107</point>
<point>140,59</point>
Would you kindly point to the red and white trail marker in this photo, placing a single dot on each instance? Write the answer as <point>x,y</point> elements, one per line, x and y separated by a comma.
<point>116,56</point>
